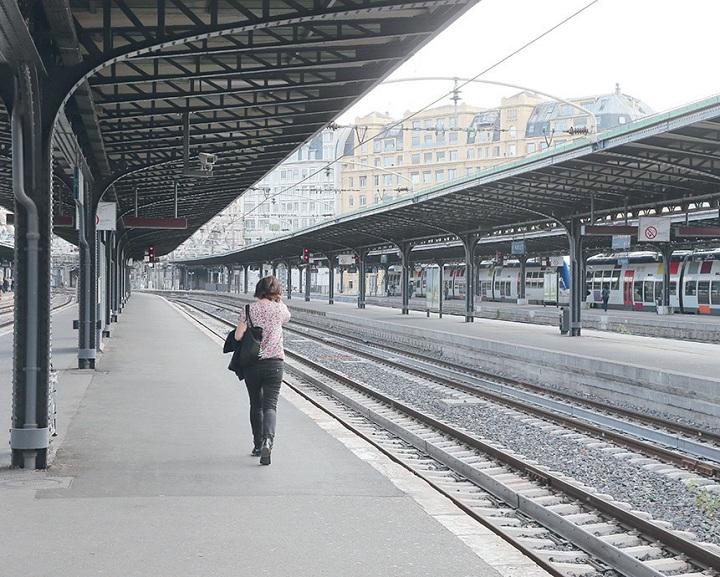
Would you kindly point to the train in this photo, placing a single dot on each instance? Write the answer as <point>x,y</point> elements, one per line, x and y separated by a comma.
<point>544,283</point>
<point>634,281</point>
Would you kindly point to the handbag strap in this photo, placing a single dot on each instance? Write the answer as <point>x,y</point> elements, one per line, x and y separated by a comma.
<point>247,316</point>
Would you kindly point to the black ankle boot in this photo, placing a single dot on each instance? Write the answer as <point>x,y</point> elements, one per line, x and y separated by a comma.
<point>265,451</point>
<point>255,452</point>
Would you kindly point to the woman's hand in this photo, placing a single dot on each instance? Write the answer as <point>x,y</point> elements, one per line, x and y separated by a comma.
<point>240,330</point>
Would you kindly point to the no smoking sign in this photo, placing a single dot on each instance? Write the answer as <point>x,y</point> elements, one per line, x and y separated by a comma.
<point>654,229</point>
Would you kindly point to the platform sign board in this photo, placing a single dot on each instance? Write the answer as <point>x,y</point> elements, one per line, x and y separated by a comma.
<point>432,288</point>
<point>106,216</point>
<point>550,287</point>
<point>621,241</point>
<point>556,261</point>
<point>346,259</point>
<point>517,247</point>
<point>653,229</point>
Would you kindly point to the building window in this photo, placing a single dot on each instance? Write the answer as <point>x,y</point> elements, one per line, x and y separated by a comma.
<point>439,175</point>
<point>453,155</point>
<point>376,162</point>
<point>428,140</point>
<point>427,158</point>
<point>427,177</point>
<point>387,179</point>
<point>441,156</point>
<point>440,137</point>
<point>388,161</point>
<point>377,199</point>
<point>351,201</point>
<point>531,147</point>
<point>429,123</point>
<point>389,145</point>
<point>377,146</point>
<point>376,180</point>
<point>363,200</point>
<point>416,124</point>
<point>415,177</point>
<point>350,182</point>
<point>470,155</point>
<point>512,132</point>
<point>511,115</point>
<point>399,160</point>
<point>415,141</point>
<point>415,159</point>
<point>362,181</point>
<point>453,138</point>
<point>496,151</point>
<point>511,150</point>
<point>452,173</point>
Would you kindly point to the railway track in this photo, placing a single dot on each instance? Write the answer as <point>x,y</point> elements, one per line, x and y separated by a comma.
<point>566,527</point>
<point>673,443</point>
<point>7,311</point>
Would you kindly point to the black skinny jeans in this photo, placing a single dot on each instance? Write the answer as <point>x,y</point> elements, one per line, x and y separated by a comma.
<point>263,381</point>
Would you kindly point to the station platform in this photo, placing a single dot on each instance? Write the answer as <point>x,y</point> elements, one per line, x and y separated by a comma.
<point>151,476</point>
<point>678,377</point>
<point>701,328</point>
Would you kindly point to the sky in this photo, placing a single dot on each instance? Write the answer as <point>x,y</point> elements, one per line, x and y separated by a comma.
<point>659,51</point>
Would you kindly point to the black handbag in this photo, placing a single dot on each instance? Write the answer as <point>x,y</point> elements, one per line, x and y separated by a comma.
<point>246,351</point>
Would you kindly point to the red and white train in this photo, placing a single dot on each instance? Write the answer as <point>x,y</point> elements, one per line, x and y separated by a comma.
<point>635,281</point>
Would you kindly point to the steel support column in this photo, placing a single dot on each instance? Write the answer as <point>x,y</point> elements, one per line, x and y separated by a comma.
<point>405,249</point>
<point>470,245</point>
<point>307,282</point>
<point>667,251</point>
<point>32,182</point>
<point>521,283</point>
<point>577,283</point>
<point>86,354</point>
<point>332,263</point>
<point>246,280</point>
<point>362,278</point>
<point>300,281</point>
<point>288,277</point>
<point>441,276</point>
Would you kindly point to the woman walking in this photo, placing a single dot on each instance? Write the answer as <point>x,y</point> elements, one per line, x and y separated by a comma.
<point>263,379</point>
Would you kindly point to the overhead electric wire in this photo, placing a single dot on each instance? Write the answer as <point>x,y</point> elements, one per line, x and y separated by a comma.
<point>393,125</point>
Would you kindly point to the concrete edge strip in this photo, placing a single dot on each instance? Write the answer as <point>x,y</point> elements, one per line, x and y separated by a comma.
<point>490,548</point>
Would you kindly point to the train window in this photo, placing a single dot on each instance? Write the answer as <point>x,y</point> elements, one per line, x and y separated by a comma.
<point>693,267</point>
<point>615,280</point>
<point>673,288</point>
<point>638,292</point>
<point>691,288</point>
<point>715,293</point>
<point>703,292</point>
<point>649,293</point>
<point>508,290</point>
<point>706,267</point>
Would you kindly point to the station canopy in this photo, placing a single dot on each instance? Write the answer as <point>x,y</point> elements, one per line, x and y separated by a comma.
<point>151,85</point>
<point>665,165</point>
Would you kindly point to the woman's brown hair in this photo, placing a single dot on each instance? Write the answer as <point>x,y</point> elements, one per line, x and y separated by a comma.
<point>268,288</point>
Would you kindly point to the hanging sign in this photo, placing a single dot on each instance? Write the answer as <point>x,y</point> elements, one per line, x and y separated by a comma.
<point>346,259</point>
<point>654,229</point>
<point>106,216</point>
<point>518,247</point>
<point>556,261</point>
<point>620,241</point>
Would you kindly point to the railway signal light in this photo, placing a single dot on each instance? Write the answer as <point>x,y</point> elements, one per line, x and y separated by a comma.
<point>306,255</point>
<point>151,253</point>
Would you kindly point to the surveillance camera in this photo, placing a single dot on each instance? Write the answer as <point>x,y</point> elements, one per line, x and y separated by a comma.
<point>207,159</point>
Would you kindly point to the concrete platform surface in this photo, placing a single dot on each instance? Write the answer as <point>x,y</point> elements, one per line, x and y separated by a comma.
<point>153,478</point>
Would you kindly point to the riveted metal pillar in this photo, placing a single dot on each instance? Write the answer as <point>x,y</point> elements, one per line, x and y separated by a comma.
<point>521,282</point>
<point>332,263</point>
<point>441,281</point>
<point>405,249</point>
<point>246,271</point>
<point>667,251</point>
<point>86,354</point>
<point>577,283</point>
<point>469,244</point>
<point>300,281</point>
<point>32,182</point>
<point>288,279</point>
<point>308,271</point>
<point>362,278</point>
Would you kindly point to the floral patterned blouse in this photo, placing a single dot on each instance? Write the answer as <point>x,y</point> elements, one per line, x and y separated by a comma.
<point>271,316</point>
